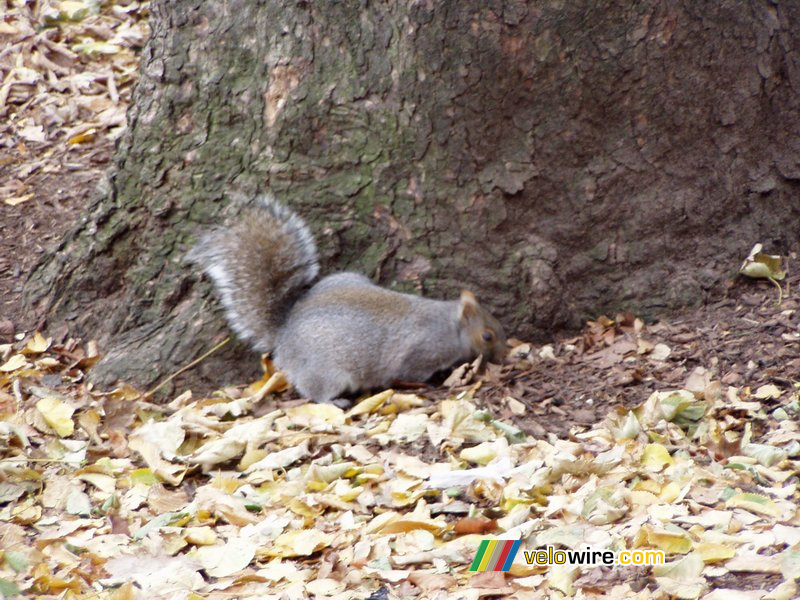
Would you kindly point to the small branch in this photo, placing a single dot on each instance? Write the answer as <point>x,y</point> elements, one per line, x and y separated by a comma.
<point>185,368</point>
<point>780,290</point>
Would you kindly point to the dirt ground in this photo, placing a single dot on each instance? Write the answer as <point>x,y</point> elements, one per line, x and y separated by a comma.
<point>61,184</point>
<point>744,338</point>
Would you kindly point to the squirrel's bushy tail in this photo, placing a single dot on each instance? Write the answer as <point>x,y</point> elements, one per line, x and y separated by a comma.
<point>260,265</point>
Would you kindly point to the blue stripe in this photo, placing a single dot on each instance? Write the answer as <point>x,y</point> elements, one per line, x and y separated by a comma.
<point>511,555</point>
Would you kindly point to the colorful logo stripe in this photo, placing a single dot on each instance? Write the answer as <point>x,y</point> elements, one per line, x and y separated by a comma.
<point>495,555</point>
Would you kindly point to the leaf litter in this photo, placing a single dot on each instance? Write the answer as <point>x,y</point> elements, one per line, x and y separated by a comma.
<point>255,494</point>
<point>67,70</point>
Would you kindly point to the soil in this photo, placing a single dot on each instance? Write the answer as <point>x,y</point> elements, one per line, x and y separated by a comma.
<point>743,338</point>
<point>62,182</point>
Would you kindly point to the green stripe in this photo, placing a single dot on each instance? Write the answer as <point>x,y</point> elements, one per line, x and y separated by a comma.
<point>481,549</point>
<point>487,555</point>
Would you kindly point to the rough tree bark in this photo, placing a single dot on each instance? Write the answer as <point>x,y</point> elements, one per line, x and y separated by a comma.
<point>560,158</point>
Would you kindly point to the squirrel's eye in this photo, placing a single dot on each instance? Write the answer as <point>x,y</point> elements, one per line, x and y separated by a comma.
<point>487,336</point>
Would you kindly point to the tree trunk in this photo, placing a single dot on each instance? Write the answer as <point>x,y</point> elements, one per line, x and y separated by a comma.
<point>559,158</point>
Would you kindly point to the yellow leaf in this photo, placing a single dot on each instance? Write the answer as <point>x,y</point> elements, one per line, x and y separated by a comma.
<point>485,452</point>
<point>218,451</point>
<point>402,402</point>
<point>326,588</point>
<point>380,428</point>
<point>627,428</point>
<point>346,492</point>
<point>38,344</point>
<point>682,578</point>
<point>647,485</point>
<point>25,514</point>
<point>16,200</point>
<point>371,404</point>
<point>57,414</point>
<point>711,552</point>
<point>200,536</point>
<point>46,363</point>
<point>81,138</point>
<point>670,492</point>
<point>272,382</point>
<point>605,505</point>
<point>299,542</point>
<point>229,485</point>
<point>403,525</point>
<point>104,483</point>
<point>380,521</point>
<point>226,559</point>
<point>656,457</point>
<point>760,265</point>
<point>670,542</point>
<point>459,424</point>
<point>769,391</point>
<point>125,392</point>
<point>325,474</point>
<point>73,10</point>
<point>644,498</point>
<point>128,592</point>
<point>754,503</point>
<point>308,415</point>
<point>304,509</point>
<point>14,363</point>
<point>561,577</point>
<point>143,476</point>
<point>96,48</point>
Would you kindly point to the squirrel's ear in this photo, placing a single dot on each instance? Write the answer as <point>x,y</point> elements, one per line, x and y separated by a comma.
<point>468,305</point>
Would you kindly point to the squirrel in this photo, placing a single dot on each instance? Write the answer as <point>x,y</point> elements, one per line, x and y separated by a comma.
<point>341,333</point>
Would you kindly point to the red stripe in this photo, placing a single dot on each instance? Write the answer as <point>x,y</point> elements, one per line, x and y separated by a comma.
<point>503,555</point>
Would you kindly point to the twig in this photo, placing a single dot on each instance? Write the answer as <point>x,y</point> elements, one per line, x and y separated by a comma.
<point>186,367</point>
<point>780,290</point>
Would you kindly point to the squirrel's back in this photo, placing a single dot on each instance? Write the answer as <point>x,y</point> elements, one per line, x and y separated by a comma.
<point>362,336</point>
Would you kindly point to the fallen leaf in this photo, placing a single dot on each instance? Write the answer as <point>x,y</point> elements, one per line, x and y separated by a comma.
<point>223,560</point>
<point>57,414</point>
<point>761,265</point>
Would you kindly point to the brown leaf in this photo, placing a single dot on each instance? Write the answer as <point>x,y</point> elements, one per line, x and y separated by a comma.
<point>432,582</point>
<point>474,525</point>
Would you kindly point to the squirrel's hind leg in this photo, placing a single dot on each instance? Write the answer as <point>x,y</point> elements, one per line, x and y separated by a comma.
<point>322,389</point>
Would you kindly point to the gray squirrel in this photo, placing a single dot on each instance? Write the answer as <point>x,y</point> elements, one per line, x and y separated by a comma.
<point>341,333</point>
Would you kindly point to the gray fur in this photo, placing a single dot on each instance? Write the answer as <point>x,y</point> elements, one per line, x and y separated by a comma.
<point>344,333</point>
<point>257,285</point>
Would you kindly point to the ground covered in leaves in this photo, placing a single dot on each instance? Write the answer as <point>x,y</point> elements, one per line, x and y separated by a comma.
<point>679,436</point>
<point>247,494</point>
